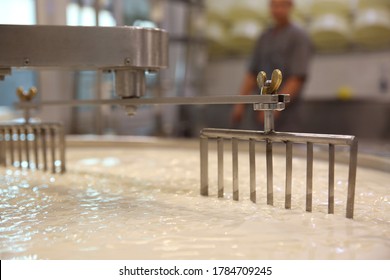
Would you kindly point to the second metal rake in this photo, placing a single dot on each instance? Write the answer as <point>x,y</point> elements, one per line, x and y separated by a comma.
<point>32,145</point>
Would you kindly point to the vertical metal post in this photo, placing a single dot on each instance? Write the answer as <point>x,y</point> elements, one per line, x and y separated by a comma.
<point>352,178</point>
<point>288,175</point>
<point>331,179</point>
<point>309,177</point>
<point>52,148</point>
<point>44,147</point>
<point>235,168</point>
<point>270,187</point>
<point>27,146</point>
<point>269,125</point>
<point>18,133</point>
<point>204,162</point>
<point>36,137</point>
<point>62,149</point>
<point>252,168</point>
<point>220,167</point>
<point>6,139</point>
<point>3,149</point>
<point>99,120</point>
<point>26,114</point>
<point>11,145</point>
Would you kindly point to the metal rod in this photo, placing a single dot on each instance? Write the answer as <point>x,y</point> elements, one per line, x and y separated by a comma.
<point>331,179</point>
<point>235,168</point>
<point>26,114</point>
<point>11,145</point>
<point>352,178</point>
<point>220,167</point>
<point>309,177</point>
<point>6,144</point>
<point>204,162</point>
<point>44,147</point>
<point>18,133</point>
<point>99,121</point>
<point>202,100</point>
<point>289,147</point>
<point>52,149</point>
<point>36,157</point>
<point>270,190</point>
<point>27,147</point>
<point>3,149</point>
<point>279,136</point>
<point>269,124</point>
<point>62,149</point>
<point>252,168</point>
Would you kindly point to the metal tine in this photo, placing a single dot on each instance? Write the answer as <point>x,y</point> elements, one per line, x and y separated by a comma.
<point>8,141</point>
<point>235,168</point>
<point>36,133</point>
<point>3,148</point>
<point>289,150</point>
<point>331,179</point>
<point>62,149</point>
<point>18,133</point>
<point>11,145</point>
<point>204,166</point>
<point>44,147</point>
<point>252,169</point>
<point>26,145</point>
<point>52,131</point>
<point>352,178</point>
<point>309,177</point>
<point>220,168</point>
<point>270,191</point>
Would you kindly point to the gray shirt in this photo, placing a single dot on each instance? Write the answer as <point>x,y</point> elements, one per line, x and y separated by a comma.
<point>288,49</point>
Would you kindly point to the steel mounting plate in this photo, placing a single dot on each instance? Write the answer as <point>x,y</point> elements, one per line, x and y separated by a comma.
<point>79,47</point>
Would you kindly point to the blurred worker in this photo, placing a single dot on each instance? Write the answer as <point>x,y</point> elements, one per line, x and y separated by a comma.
<point>283,46</point>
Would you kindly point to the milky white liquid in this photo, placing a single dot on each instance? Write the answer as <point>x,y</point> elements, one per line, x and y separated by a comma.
<point>144,203</point>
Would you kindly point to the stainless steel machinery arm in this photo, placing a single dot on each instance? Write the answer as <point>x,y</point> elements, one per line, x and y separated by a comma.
<point>129,51</point>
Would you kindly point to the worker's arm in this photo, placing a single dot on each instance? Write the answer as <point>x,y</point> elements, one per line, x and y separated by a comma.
<point>292,86</point>
<point>247,87</point>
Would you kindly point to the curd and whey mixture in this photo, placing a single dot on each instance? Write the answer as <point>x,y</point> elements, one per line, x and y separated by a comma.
<point>144,203</point>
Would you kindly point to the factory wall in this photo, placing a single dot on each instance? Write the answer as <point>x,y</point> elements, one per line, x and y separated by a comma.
<point>361,74</point>
<point>345,93</point>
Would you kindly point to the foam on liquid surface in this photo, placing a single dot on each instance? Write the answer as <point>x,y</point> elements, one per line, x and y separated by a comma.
<point>144,203</point>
